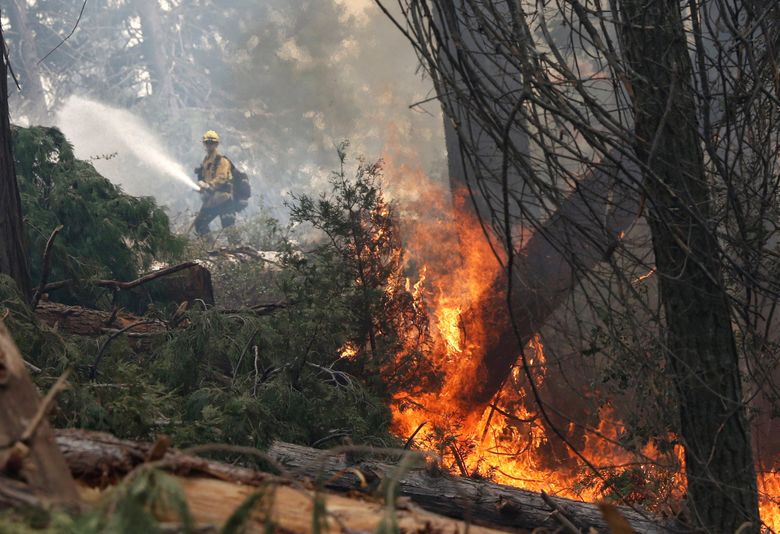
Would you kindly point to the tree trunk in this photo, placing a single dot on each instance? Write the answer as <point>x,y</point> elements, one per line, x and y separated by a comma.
<point>34,103</point>
<point>583,232</point>
<point>13,259</point>
<point>479,90</point>
<point>156,55</point>
<point>100,459</point>
<point>700,342</point>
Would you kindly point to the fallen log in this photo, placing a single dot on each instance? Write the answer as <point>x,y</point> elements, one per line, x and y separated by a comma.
<point>473,500</point>
<point>101,459</point>
<point>88,322</point>
<point>214,490</point>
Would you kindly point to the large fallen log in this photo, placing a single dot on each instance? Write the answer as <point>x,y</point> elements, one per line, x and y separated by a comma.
<point>101,459</point>
<point>214,490</point>
<point>474,500</point>
<point>81,321</point>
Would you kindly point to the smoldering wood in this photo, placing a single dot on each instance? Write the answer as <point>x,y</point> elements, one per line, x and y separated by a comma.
<point>470,499</point>
<point>101,459</point>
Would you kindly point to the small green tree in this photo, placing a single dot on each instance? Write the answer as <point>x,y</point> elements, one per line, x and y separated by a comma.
<point>386,332</point>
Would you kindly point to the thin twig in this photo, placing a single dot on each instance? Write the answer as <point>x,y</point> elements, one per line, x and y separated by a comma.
<point>78,20</point>
<point>93,371</point>
<point>46,266</point>
<point>257,371</point>
<point>560,515</point>
<point>459,460</point>
<point>414,435</point>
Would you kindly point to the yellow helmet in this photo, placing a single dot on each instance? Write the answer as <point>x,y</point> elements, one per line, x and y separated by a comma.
<point>211,136</point>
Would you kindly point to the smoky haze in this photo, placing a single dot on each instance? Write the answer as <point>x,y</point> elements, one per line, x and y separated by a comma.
<point>116,141</point>
<point>282,81</point>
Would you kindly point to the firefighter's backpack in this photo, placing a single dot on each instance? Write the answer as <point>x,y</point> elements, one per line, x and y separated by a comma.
<point>241,188</point>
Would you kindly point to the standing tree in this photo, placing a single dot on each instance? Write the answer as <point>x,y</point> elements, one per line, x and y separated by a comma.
<point>13,260</point>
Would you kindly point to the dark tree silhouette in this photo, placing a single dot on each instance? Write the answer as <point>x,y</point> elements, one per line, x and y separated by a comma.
<point>13,260</point>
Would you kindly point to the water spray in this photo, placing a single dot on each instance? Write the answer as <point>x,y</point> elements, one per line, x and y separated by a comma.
<point>101,129</point>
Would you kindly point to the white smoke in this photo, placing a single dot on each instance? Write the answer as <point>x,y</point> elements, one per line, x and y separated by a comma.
<point>121,146</point>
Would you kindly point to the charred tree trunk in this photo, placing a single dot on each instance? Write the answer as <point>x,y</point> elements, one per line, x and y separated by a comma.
<point>474,153</point>
<point>13,259</point>
<point>701,347</point>
<point>481,90</point>
<point>583,232</point>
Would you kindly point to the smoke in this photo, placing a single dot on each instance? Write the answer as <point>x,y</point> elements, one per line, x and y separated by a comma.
<point>121,146</point>
<point>282,81</point>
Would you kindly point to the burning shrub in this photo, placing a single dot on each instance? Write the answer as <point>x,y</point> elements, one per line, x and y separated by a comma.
<point>384,332</point>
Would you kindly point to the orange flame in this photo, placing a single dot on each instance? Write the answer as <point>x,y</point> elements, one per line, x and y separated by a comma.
<point>510,442</point>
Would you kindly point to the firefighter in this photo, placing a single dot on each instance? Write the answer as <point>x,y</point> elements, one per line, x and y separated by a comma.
<point>216,180</point>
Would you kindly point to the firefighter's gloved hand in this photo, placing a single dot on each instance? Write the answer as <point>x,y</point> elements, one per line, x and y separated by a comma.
<point>204,188</point>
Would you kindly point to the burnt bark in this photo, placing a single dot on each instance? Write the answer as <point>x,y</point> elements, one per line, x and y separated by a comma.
<point>478,91</point>
<point>13,258</point>
<point>583,232</point>
<point>700,342</point>
<point>481,91</point>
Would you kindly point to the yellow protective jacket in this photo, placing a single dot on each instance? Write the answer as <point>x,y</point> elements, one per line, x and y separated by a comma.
<point>216,172</point>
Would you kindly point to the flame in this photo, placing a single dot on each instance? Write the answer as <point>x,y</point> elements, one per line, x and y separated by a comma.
<point>449,328</point>
<point>349,351</point>
<point>510,442</point>
<point>769,498</point>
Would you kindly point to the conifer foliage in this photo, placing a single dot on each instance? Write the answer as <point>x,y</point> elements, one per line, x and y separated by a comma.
<point>106,233</point>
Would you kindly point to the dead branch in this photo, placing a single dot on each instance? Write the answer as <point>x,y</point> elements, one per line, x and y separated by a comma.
<point>117,285</point>
<point>112,337</point>
<point>46,266</point>
<point>560,516</point>
<point>44,407</point>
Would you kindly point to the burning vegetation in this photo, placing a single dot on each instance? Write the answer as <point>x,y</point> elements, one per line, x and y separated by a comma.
<point>516,438</point>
